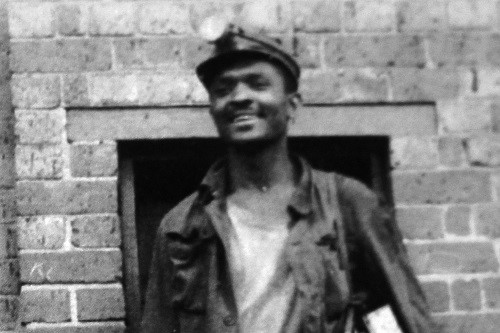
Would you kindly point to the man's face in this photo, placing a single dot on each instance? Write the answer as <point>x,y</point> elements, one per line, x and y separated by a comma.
<point>249,103</point>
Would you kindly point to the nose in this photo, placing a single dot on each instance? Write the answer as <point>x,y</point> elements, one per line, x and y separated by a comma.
<point>240,97</point>
<point>241,93</point>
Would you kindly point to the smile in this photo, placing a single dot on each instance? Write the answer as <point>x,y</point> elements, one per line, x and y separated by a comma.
<point>244,118</point>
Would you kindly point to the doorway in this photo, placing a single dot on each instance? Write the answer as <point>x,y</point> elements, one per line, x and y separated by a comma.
<point>156,175</point>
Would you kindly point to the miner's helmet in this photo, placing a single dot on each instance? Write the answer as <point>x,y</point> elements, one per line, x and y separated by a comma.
<point>232,41</point>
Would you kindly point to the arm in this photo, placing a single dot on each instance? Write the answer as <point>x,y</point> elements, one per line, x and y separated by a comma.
<point>382,257</point>
<point>158,314</point>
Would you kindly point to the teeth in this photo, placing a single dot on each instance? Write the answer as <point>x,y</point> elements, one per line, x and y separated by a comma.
<point>243,118</point>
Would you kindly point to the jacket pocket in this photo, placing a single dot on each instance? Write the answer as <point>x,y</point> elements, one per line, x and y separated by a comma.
<point>336,285</point>
<point>189,282</point>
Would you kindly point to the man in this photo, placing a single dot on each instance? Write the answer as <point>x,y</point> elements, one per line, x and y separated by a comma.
<point>267,244</point>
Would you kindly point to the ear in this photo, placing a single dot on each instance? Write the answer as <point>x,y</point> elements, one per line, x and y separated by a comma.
<point>294,103</point>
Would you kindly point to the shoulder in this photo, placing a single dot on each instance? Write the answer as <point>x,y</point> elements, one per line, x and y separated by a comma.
<point>350,191</point>
<point>354,191</point>
<point>175,219</point>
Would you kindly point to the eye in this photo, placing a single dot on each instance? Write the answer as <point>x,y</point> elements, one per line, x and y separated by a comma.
<point>221,88</point>
<point>258,83</point>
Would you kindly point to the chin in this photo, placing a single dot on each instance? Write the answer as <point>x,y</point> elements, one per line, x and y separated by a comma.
<point>251,142</point>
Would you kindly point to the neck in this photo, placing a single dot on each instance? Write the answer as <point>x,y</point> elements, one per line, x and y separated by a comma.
<point>260,167</point>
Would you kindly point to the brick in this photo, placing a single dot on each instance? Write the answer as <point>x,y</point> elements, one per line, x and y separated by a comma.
<point>140,53</point>
<point>116,19</point>
<point>344,85</point>
<point>496,184</point>
<point>41,232</point>
<point>164,18</point>
<point>316,15</point>
<point>195,51</point>
<point>8,241</point>
<point>7,205</point>
<point>438,295</point>
<point>492,292</point>
<point>95,231</point>
<point>36,91</point>
<point>420,15</point>
<point>7,171</point>
<point>451,151</point>
<point>267,15</point>
<point>112,89</point>
<point>40,126</point>
<point>453,186</point>
<point>106,327</point>
<point>488,82</point>
<point>74,266</point>
<point>496,114</point>
<point>486,217</point>
<point>414,152</point>
<point>458,49</point>
<point>157,89</point>
<point>9,276</point>
<point>451,258</point>
<point>471,14</point>
<point>484,150</point>
<point>131,52</point>
<point>66,197</point>
<point>4,67</point>
<point>365,120</point>
<point>457,220</point>
<point>64,55</point>
<point>27,19</point>
<point>399,50</point>
<point>413,84</point>
<point>420,222</point>
<point>145,89</point>
<point>39,162</point>
<point>364,15</point>
<point>185,122</point>
<point>100,304</point>
<point>45,305</point>
<point>466,295</point>
<point>75,90</point>
<point>71,20</point>
<point>94,160</point>
<point>9,308</point>
<point>137,124</point>
<point>493,49</point>
<point>464,115</point>
<point>469,323</point>
<point>200,10</point>
<point>308,50</point>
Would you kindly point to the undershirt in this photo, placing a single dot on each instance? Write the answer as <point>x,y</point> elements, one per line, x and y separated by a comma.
<point>262,282</point>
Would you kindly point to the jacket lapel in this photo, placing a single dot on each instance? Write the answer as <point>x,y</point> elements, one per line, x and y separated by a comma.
<point>314,257</point>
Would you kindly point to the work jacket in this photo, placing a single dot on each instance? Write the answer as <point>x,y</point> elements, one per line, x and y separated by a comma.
<point>344,251</point>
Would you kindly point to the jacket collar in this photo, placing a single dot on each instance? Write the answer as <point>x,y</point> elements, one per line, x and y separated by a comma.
<point>191,219</point>
<point>214,186</point>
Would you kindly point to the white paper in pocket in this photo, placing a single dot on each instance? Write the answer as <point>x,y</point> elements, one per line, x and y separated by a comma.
<point>382,320</point>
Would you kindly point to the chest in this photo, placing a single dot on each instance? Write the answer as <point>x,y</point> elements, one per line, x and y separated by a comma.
<point>269,207</point>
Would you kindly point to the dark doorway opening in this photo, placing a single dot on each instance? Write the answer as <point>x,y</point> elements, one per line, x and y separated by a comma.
<point>156,175</point>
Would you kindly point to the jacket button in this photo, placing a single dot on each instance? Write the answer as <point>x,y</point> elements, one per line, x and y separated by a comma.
<point>229,320</point>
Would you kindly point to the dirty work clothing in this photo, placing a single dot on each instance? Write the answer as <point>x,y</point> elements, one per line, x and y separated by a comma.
<point>189,286</point>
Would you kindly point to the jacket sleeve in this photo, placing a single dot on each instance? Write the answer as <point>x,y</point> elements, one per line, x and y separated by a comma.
<point>158,314</point>
<point>383,259</point>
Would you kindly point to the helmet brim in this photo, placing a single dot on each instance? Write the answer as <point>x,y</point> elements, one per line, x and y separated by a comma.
<point>207,70</point>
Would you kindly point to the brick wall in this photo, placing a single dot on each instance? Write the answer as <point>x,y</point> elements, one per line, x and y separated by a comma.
<point>71,58</point>
<point>9,265</point>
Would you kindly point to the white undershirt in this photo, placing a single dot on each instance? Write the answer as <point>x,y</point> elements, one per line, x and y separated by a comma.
<point>262,283</point>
